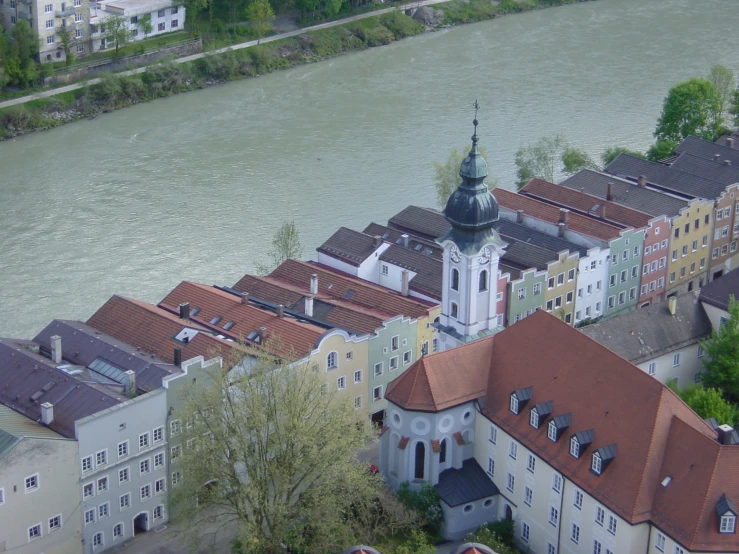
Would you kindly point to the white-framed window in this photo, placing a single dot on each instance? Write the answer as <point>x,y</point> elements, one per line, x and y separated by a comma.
<point>557,482</point>
<point>600,515</point>
<point>174,24</point>
<point>577,502</point>
<point>512,448</point>
<point>80,48</point>
<point>377,394</point>
<point>357,402</point>
<point>159,486</point>
<point>118,530</point>
<point>528,495</point>
<point>596,463</point>
<point>50,39</point>
<point>455,279</point>
<point>88,490</point>
<point>55,523</point>
<point>89,516</point>
<point>349,355</point>
<point>551,549</point>
<point>553,515</point>
<point>493,434</point>
<point>145,466</point>
<point>406,357</point>
<point>575,533</point>
<point>79,33</point>
<point>727,524</point>
<point>378,369</point>
<point>49,23</point>
<point>676,359</point>
<point>395,343</point>
<point>175,452</point>
<point>358,376</point>
<point>158,434</point>
<point>34,532</point>
<point>48,8</point>
<point>531,463</point>
<point>597,547</point>
<point>31,483</point>
<point>86,464</point>
<point>124,501</point>
<point>161,26</point>
<point>176,478</point>
<point>393,363</point>
<point>659,542</point>
<point>145,492</point>
<point>525,531</point>
<point>678,550</point>
<point>552,431</point>
<point>521,293</point>
<point>158,512</point>
<point>101,458</point>
<point>612,522</point>
<point>341,383</point>
<point>332,360</point>
<point>104,510</point>
<point>144,440</point>
<point>537,289</point>
<point>574,447</point>
<point>491,467</point>
<point>513,406</point>
<point>175,427</point>
<point>534,419</point>
<point>124,475</point>
<point>77,17</point>
<point>511,482</point>
<point>98,540</point>
<point>652,368</point>
<point>102,484</point>
<point>385,269</point>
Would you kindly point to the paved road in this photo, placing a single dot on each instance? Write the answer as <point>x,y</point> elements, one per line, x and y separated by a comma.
<point>75,86</point>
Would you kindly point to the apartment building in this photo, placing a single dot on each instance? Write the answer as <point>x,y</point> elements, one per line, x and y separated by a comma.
<point>145,18</point>
<point>583,451</point>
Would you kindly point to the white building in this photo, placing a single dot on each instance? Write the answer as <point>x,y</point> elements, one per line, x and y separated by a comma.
<point>164,16</point>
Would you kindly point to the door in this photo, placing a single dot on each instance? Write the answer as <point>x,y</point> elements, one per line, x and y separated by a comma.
<point>141,523</point>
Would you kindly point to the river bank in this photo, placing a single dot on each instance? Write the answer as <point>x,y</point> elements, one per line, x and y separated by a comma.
<point>113,92</point>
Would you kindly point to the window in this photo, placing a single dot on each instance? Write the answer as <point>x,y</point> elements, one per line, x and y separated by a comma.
<point>634,271</point>
<point>49,23</point>
<point>175,452</point>
<point>90,516</point>
<point>621,297</point>
<point>612,282</point>
<point>357,402</point>
<point>86,464</point>
<point>377,394</point>
<point>679,550</point>
<point>50,39</point>
<point>676,359</point>
<point>674,255</point>
<point>644,289</point>
<point>385,269</point>
<point>597,307</point>
<point>349,355</point>
<point>159,486</point>
<point>512,449</point>
<point>525,531</point>
<point>78,33</point>
<point>528,495</point>
<point>574,447</point>
<point>88,490</point>
<point>557,482</point>
<point>145,465</point>
<point>550,283</point>
<point>118,530</point>
<point>159,460</point>
<point>48,8</point>
<point>553,515</point>
<point>102,484</point>
<point>483,281</point>
<point>597,548</point>
<point>158,512</point>
<point>393,363</point>
<point>332,360</point>
<point>521,293</point>
<point>632,293</point>
<point>624,275</point>
<point>455,279</point>
<point>491,467</point>
<point>55,523</point>
<point>435,345</point>
<point>134,20</point>
<point>612,525</point>
<point>455,310</point>
<point>703,263</point>
<point>31,483</point>
<point>578,500</point>
<point>160,13</point>
<point>493,435</point>
<point>550,305</point>
<point>558,302</point>
<point>161,26</point>
<point>176,478</point>
<point>358,376</point>
<point>341,383</point>
<point>537,288</point>
<point>104,510</point>
<point>652,368</point>
<point>97,540</point>
<point>513,406</point>
<point>158,434</point>
<point>511,482</point>
<point>531,463</point>
<point>596,465</point>
<point>534,419</point>
<point>125,501</point>
<point>145,492</point>
<point>598,285</point>
<point>406,357</point>
<point>715,253</point>
<point>378,369</point>
<point>77,17</point>
<point>568,298</point>
<point>175,10</point>
<point>174,427</point>
<point>677,232</point>
<point>560,279</point>
<point>600,515</point>
<point>728,524</point>
<point>34,532</point>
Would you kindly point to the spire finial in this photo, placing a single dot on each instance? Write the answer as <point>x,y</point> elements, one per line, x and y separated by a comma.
<point>474,122</point>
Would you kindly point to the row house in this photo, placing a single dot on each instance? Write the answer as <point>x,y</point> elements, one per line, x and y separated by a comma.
<point>620,274</point>
<point>716,296</point>
<point>508,427</point>
<point>399,327</point>
<point>663,339</point>
<point>656,230</point>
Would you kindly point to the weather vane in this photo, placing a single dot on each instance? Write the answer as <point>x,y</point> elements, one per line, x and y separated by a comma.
<point>474,122</point>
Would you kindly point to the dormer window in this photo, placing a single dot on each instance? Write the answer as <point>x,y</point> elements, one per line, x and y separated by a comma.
<point>580,441</point>
<point>557,426</point>
<point>601,458</point>
<point>597,464</point>
<point>726,515</point>
<point>514,404</point>
<point>539,413</point>
<point>552,431</point>
<point>519,398</point>
<point>534,419</point>
<point>575,447</point>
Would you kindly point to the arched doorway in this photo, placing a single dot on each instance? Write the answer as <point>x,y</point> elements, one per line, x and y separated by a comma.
<point>508,513</point>
<point>420,461</point>
<point>141,523</point>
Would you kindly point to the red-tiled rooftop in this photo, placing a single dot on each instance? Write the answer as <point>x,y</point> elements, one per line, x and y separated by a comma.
<point>586,203</point>
<point>547,212</point>
<point>655,432</point>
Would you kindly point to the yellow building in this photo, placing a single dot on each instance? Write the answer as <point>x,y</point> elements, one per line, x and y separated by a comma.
<point>690,246</point>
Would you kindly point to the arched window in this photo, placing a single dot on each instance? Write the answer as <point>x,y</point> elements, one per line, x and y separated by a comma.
<point>420,461</point>
<point>455,310</point>
<point>455,278</point>
<point>332,360</point>
<point>442,453</point>
<point>483,286</point>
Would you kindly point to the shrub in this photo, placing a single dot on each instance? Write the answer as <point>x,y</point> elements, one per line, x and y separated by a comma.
<point>490,538</point>
<point>372,35</point>
<point>401,25</point>
<point>425,502</point>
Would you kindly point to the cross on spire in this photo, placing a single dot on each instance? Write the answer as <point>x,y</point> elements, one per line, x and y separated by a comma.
<point>474,122</point>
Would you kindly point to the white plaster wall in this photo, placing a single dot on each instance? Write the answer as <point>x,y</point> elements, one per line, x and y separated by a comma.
<point>714,315</point>
<point>338,264</point>
<point>689,365</point>
<point>590,277</point>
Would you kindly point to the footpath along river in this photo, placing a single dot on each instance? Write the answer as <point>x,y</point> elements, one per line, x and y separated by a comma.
<point>194,186</point>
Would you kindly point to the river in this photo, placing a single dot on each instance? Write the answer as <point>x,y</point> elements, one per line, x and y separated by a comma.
<point>194,186</point>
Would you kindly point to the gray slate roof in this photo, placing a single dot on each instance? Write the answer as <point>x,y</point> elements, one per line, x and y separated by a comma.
<point>717,292</point>
<point>665,177</point>
<point>708,169</point>
<point>510,230</point>
<point>460,486</point>
<point>428,270</point>
<point>525,256</point>
<point>82,345</point>
<point>649,332</point>
<point>415,243</point>
<point>429,223</point>
<point>625,192</point>
<point>706,149</point>
<point>349,246</point>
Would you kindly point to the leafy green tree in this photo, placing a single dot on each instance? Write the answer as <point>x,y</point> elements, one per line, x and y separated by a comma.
<point>661,149</point>
<point>575,160</point>
<point>690,108</point>
<point>612,153</point>
<point>446,175</point>
<point>417,543</point>
<point>285,246</point>
<point>541,160</point>
<point>495,536</point>
<point>724,82</point>
<point>65,36</point>
<point>117,30</point>
<point>722,355</point>
<point>708,402</point>
<point>261,15</point>
<point>19,65</point>
<point>278,448</point>
<point>146,25</point>
<point>734,107</point>
<point>425,502</point>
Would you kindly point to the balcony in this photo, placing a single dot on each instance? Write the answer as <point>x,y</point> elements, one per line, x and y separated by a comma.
<point>66,12</point>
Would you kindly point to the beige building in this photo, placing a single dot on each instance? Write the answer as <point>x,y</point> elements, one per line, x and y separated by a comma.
<point>39,488</point>
<point>562,286</point>
<point>690,242</point>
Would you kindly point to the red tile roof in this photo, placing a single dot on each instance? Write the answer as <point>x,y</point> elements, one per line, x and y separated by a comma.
<point>153,330</point>
<point>288,337</point>
<point>655,432</point>
<point>546,212</point>
<point>585,203</point>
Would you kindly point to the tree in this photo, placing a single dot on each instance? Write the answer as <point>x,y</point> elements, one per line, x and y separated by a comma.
<point>575,160</point>
<point>285,246</point>
<point>446,175</point>
<point>261,15</point>
<point>18,55</point>
<point>690,108</point>
<point>146,26</point>
<point>660,150</point>
<point>722,355</point>
<point>65,36</point>
<point>541,159</point>
<point>724,82</point>
<point>708,402</point>
<point>117,30</point>
<point>278,450</point>
<point>734,107</point>
<point>612,153</point>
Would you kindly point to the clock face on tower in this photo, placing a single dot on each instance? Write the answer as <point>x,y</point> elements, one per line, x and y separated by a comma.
<point>484,255</point>
<point>454,253</point>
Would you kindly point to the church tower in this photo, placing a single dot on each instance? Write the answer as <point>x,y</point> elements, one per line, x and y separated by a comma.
<point>472,251</point>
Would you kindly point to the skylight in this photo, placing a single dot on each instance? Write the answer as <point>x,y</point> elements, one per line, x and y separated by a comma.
<point>215,320</point>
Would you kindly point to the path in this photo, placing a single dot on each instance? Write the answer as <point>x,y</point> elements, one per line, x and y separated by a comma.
<point>280,36</point>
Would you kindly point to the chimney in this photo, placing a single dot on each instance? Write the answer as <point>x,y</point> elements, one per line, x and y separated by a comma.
<point>609,192</point>
<point>404,283</point>
<point>717,157</point>
<point>129,383</point>
<point>563,215</point>
<point>56,349</point>
<point>672,304</point>
<point>314,284</point>
<point>244,297</point>
<point>562,227</point>
<point>378,241</point>
<point>642,181</point>
<point>185,310</point>
<point>724,433</point>
<point>280,311</point>
<point>309,305</point>
<point>404,236</point>
<point>47,413</point>
<point>603,212</point>
<point>519,216</point>
<point>730,142</point>
<point>727,162</point>
<point>177,356</point>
